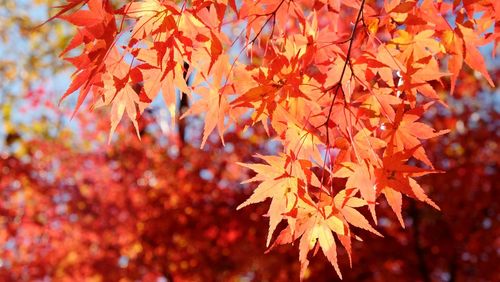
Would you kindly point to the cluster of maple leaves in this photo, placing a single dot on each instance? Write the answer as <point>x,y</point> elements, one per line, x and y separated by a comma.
<point>340,84</point>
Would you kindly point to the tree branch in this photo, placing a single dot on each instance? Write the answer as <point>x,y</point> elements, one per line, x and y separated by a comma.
<point>183,106</point>
<point>338,85</point>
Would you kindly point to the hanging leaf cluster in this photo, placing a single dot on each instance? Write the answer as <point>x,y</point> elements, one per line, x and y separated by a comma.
<point>341,84</point>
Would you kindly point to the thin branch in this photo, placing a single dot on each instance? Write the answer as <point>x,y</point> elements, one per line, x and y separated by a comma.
<point>338,85</point>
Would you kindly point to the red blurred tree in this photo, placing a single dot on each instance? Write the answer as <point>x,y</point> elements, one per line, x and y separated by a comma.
<point>142,210</point>
<point>138,209</point>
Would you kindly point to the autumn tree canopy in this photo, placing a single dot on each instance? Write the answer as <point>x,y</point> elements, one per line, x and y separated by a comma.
<point>341,92</point>
<point>65,199</point>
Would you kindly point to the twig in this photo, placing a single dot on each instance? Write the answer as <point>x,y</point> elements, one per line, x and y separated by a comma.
<point>338,85</point>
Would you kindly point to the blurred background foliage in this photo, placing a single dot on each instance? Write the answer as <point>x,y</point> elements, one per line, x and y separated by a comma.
<point>73,208</point>
<point>29,53</point>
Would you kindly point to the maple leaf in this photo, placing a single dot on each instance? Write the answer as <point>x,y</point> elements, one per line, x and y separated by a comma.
<point>316,225</point>
<point>123,99</point>
<point>472,56</point>
<point>366,146</point>
<point>214,107</point>
<point>97,24</point>
<point>455,47</point>
<point>347,206</point>
<point>281,180</point>
<point>381,102</point>
<point>64,9</point>
<point>362,178</point>
<point>396,177</point>
<point>156,77</point>
<point>300,142</point>
<point>419,45</point>
<point>274,183</point>
<point>405,133</point>
<point>95,15</point>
